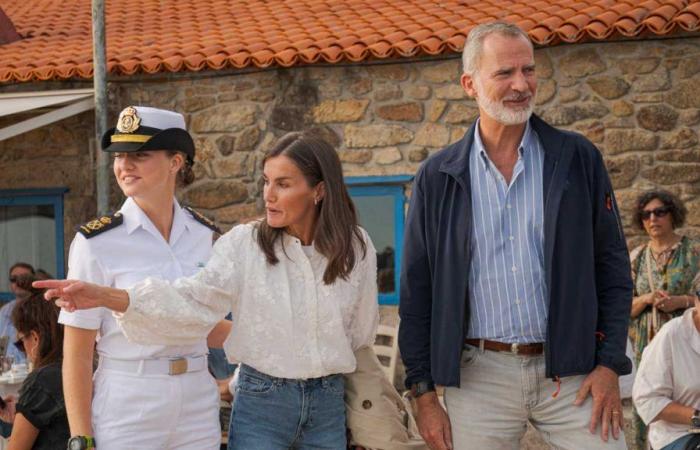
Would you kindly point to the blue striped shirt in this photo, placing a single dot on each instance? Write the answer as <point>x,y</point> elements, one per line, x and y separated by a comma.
<point>507,292</point>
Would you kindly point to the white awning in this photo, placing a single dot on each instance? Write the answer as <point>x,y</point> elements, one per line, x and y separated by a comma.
<point>65,103</point>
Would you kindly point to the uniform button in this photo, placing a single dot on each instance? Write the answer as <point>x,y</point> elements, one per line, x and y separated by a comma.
<point>366,404</point>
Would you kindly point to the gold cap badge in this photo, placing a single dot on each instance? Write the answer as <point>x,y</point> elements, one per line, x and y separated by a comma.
<point>128,120</point>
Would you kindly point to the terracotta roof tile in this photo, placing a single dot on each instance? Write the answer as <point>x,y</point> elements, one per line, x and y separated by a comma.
<point>153,36</point>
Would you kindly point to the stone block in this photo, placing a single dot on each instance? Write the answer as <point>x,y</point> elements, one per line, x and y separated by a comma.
<point>678,156</point>
<point>241,213</point>
<point>417,155</point>
<point>683,138</point>
<point>193,104</point>
<point>387,155</point>
<point>649,97</point>
<point>594,131</point>
<point>689,67</point>
<point>609,87</point>
<point>435,110</point>
<point>543,63</point>
<point>226,144</point>
<point>247,139</point>
<point>568,114</point>
<point>205,149</point>
<point>657,117</point>
<point>418,92</point>
<point>330,111</point>
<point>545,91</point>
<point>684,94</point>
<point>624,140</point>
<point>689,117</point>
<point>215,194</point>
<point>445,72</point>
<point>568,95</point>
<point>461,113</point>
<point>656,81</point>
<point>387,92</point>
<point>432,135</point>
<point>672,174</point>
<point>263,96</point>
<point>401,112</point>
<point>360,86</point>
<point>450,92</point>
<point>622,170</point>
<point>581,62</point>
<point>289,117</point>
<point>355,156</point>
<point>368,136</point>
<point>457,133</point>
<point>622,108</point>
<point>393,72</point>
<point>638,65</point>
<point>232,167</point>
<point>223,118</point>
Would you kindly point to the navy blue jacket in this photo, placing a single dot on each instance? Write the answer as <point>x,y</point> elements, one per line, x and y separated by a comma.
<point>586,262</point>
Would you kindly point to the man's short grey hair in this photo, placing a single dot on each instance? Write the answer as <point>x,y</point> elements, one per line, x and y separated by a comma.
<point>473,47</point>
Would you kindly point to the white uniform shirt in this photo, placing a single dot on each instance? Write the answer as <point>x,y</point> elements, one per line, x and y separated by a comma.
<point>669,371</point>
<point>127,254</point>
<point>286,321</point>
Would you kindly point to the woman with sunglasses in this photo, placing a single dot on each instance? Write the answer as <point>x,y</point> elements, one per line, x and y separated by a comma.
<point>39,421</point>
<point>664,271</point>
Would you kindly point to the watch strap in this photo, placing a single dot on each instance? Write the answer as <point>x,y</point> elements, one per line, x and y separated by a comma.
<point>422,387</point>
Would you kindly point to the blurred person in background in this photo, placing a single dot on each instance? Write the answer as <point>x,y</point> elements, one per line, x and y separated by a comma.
<point>17,271</point>
<point>39,415</point>
<point>664,271</point>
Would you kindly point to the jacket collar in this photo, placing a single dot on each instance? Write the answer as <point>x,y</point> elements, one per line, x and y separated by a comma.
<point>456,162</point>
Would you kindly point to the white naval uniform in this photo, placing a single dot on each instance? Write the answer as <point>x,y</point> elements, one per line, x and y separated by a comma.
<point>150,410</point>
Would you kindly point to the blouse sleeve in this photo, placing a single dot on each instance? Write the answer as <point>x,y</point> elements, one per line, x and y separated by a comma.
<point>366,315</point>
<point>184,311</point>
<point>37,404</point>
<point>653,385</point>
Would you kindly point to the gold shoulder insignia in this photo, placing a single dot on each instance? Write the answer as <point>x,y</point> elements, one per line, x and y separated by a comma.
<point>100,225</point>
<point>204,220</point>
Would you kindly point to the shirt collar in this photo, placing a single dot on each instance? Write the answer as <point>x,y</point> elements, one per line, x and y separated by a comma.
<point>525,142</point>
<point>691,335</point>
<point>134,217</point>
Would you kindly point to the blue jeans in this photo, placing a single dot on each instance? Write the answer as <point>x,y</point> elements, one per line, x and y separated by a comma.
<point>680,443</point>
<point>280,414</point>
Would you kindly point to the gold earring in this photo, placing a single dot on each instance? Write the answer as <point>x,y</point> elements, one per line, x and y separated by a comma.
<point>315,201</point>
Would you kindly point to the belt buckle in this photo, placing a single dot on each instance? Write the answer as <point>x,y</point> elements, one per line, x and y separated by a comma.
<point>514,347</point>
<point>177,366</point>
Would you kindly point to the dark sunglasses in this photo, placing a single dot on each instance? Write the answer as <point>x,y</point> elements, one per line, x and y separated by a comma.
<point>658,212</point>
<point>19,343</point>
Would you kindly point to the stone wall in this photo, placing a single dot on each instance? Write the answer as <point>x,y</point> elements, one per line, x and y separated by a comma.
<point>636,100</point>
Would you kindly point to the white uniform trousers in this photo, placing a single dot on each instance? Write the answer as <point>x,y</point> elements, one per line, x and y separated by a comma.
<point>133,411</point>
<point>500,392</point>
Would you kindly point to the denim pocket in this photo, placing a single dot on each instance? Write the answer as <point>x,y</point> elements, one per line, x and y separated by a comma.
<point>336,384</point>
<point>254,384</point>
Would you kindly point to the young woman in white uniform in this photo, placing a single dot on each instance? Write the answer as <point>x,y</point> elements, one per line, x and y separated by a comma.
<point>141,396</point>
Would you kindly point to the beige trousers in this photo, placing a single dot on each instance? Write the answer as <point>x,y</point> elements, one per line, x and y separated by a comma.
<point>501,392</point>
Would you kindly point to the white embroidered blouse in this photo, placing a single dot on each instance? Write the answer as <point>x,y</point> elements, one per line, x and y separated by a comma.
<point>286,322</point>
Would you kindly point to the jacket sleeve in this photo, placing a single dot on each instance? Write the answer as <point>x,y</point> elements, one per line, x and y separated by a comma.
<point>612,274</point>
<point>416,291</point>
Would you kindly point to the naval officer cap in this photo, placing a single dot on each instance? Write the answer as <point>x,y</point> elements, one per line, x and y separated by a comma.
<point>141,128</point>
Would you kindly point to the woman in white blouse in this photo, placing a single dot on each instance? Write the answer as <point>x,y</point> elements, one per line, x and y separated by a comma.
<point>666,391</point>
<point>301,284</point>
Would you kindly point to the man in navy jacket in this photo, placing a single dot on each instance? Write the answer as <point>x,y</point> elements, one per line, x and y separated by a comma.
<point>469,322</point>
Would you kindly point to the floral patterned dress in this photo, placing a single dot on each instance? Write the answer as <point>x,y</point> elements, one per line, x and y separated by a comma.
<point>676,271</point>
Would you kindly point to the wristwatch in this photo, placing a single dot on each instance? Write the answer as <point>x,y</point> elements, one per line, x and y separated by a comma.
<point>695,420</point>
<point>422,387</point>
<point>81,443</point>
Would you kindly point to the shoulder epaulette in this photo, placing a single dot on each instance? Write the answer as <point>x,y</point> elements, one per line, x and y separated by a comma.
<point>100,225</point>
<point>204,220</point>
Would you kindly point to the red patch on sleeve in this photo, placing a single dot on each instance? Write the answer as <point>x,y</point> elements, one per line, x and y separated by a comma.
<point>608,202</point>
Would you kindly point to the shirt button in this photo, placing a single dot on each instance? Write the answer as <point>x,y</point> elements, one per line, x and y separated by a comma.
<point>511,238</point>
<point>508,206</point>
<point>514,269</point>
<point>517,301</point>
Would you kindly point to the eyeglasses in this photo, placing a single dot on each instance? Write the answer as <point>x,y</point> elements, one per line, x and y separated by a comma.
<point>19,343</point>
<point>658,212</point>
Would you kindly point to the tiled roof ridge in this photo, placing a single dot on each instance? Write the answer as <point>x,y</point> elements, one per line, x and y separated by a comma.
<point>229,34</point>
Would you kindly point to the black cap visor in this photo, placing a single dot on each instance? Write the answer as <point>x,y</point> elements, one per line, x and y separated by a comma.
<point>175,139</point>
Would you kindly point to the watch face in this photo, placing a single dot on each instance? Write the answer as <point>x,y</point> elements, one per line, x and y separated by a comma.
<point>75,443</point>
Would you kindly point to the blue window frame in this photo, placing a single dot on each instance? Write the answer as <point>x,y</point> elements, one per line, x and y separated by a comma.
<point>31,230</point>
<point>381,203</point>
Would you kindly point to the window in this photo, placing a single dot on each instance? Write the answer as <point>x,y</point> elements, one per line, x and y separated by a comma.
<point>380,203</point>
<point>31,231</point>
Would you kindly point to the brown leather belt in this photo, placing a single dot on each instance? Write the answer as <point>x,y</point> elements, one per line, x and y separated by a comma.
<point>516,349</point>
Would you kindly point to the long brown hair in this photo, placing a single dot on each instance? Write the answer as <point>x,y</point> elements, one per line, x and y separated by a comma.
<point>33,313</point>
<point>337,228</point>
